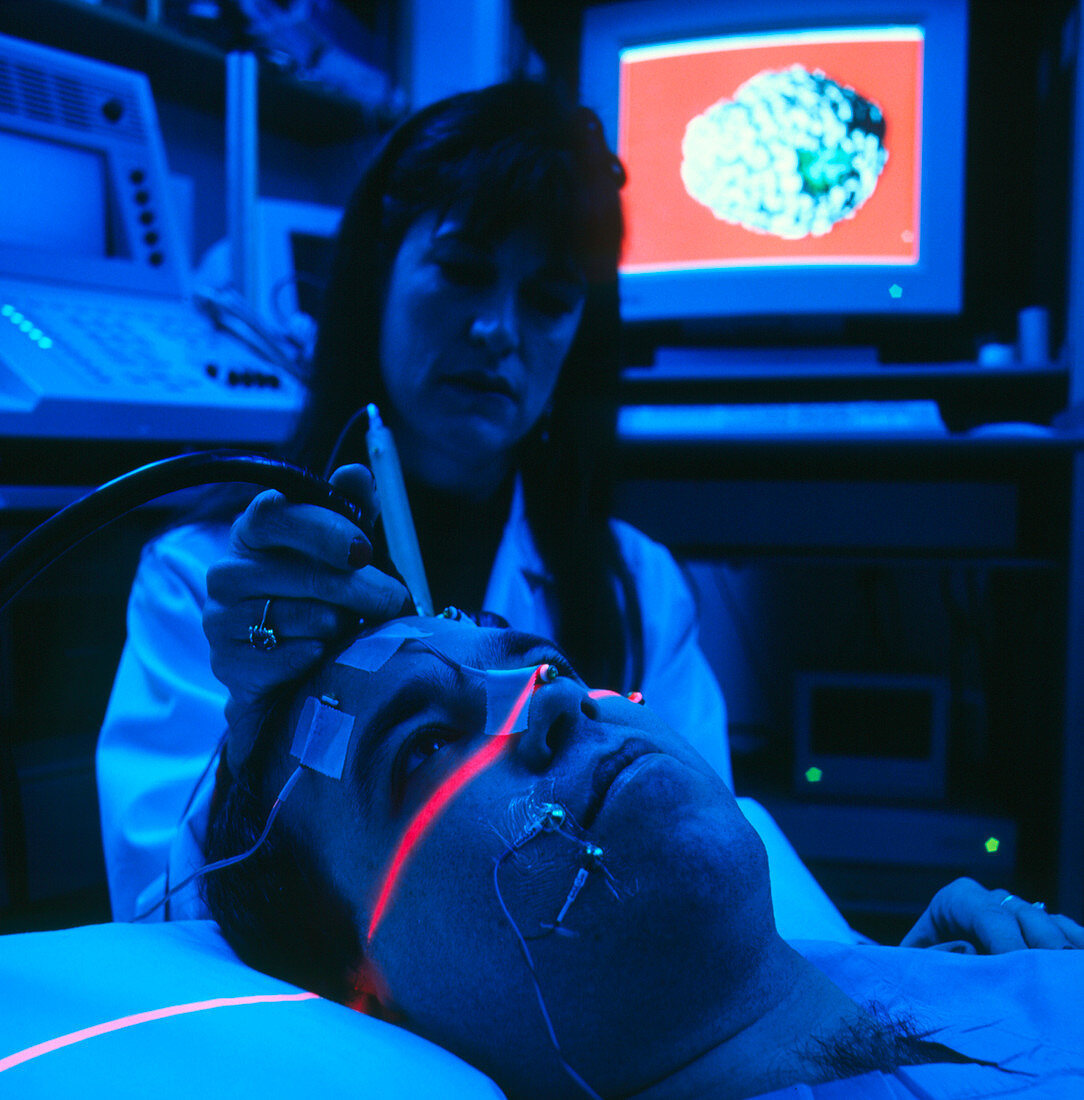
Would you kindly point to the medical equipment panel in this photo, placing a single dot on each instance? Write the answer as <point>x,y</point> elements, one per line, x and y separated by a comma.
<point>100,337</point>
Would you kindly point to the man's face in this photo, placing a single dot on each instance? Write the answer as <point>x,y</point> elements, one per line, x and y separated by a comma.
<point>679,904</point>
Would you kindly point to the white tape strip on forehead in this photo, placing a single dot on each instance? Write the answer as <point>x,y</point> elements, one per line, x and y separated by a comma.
<point>372,652</point>
<point>504,686</point>
<point>322,737</point>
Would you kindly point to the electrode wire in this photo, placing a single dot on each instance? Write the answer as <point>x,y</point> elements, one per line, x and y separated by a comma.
<point>230,861</point>
<point>579,1081</point>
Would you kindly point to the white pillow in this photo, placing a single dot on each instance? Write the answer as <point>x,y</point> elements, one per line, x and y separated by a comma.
<point>168,1011</point>
<point>803,911</point>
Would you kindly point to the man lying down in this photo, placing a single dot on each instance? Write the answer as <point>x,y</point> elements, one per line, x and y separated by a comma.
<point>548,882</point>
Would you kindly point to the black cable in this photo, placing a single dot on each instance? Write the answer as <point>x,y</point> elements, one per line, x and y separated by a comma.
<point>68,527</point>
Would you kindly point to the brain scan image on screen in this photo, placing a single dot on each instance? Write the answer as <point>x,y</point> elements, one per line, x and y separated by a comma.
<point>791,155</point>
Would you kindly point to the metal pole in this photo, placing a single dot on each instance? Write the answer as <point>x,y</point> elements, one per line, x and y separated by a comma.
<point>242,170</point>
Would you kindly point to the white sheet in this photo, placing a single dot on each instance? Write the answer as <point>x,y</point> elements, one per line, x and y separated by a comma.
<point>111,994</point>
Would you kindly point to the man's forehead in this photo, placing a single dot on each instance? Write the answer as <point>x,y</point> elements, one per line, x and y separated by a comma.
<point>386,648</point>
<point>370,652</point>
<point>385,675</point>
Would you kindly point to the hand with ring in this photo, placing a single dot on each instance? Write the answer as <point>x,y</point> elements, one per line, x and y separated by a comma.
<point>295,579</point>
<point>970,919</point>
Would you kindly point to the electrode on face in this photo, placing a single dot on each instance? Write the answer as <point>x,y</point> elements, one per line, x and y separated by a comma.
<point>553,816</point>
<point>322,736</point>
<point>590,860</point>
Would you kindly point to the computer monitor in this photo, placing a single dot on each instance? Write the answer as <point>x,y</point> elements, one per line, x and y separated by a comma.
<point>785,157</point>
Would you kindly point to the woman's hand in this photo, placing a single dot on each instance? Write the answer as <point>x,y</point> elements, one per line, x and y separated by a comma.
<point>968,918</point>
<point>300,575</point>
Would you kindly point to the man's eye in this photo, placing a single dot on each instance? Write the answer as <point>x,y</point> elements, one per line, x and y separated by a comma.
<point>561,664</point>
<point>421,747</point>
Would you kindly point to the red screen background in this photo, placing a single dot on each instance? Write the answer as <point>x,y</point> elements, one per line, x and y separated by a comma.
<point>666,227</point>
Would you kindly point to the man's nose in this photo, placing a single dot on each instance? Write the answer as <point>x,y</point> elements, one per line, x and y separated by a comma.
<point>557,712</point>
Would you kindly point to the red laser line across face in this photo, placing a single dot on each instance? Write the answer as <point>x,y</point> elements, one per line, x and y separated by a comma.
<point>447,790</point>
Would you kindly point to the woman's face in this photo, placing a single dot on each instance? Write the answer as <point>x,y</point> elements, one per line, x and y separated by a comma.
<point>473,337</point>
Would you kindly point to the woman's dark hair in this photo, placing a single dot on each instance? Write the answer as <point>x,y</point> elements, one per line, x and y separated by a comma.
<point>502,157</point>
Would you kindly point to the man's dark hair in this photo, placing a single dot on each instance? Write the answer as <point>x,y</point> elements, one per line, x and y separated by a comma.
<point>276,908</point>
<point>883,1043</point>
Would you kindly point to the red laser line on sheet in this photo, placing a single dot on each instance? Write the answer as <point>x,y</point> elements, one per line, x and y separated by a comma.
<point>440,798</point>
<point>61,1041</point>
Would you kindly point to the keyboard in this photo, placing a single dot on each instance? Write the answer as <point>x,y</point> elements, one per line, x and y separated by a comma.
<point>107,365</point>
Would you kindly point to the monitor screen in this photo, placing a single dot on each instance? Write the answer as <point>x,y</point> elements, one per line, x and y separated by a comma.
<point>54,197</point>
<point>783,157</point>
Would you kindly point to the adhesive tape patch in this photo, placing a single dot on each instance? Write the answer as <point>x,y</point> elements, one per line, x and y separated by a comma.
<point>322,737</point>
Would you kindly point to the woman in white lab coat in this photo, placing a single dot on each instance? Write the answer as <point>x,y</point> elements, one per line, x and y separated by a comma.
<point>473,299</point>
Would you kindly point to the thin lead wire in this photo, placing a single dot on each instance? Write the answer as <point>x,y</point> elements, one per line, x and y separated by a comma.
<point>229,861</point>
<point>287,787</point>
<point>534,978</point>
<point>340,439</point>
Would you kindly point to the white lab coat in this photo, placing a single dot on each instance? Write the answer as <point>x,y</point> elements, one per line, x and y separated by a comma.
<point>165,715</point>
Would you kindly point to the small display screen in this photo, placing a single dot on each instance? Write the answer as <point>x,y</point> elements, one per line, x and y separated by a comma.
<point>872,721</point>
<point>54,197</point>
<point>773,150</point>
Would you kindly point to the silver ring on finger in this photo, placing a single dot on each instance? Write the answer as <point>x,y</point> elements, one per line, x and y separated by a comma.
<point>1039,905</point>
<point>261,636</point>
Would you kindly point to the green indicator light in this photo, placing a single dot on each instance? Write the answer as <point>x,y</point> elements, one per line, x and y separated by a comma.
<point>7,309</point>
<point>45,342</point>
<point>814,775</point>
<point>992,844</point>
<point>895,290</point>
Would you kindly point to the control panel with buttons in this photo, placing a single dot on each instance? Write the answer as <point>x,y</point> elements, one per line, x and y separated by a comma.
<point>75,363</point>
<point>100,337</point>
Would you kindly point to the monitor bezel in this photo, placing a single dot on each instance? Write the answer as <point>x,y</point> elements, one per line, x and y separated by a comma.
<point>932,286</point>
